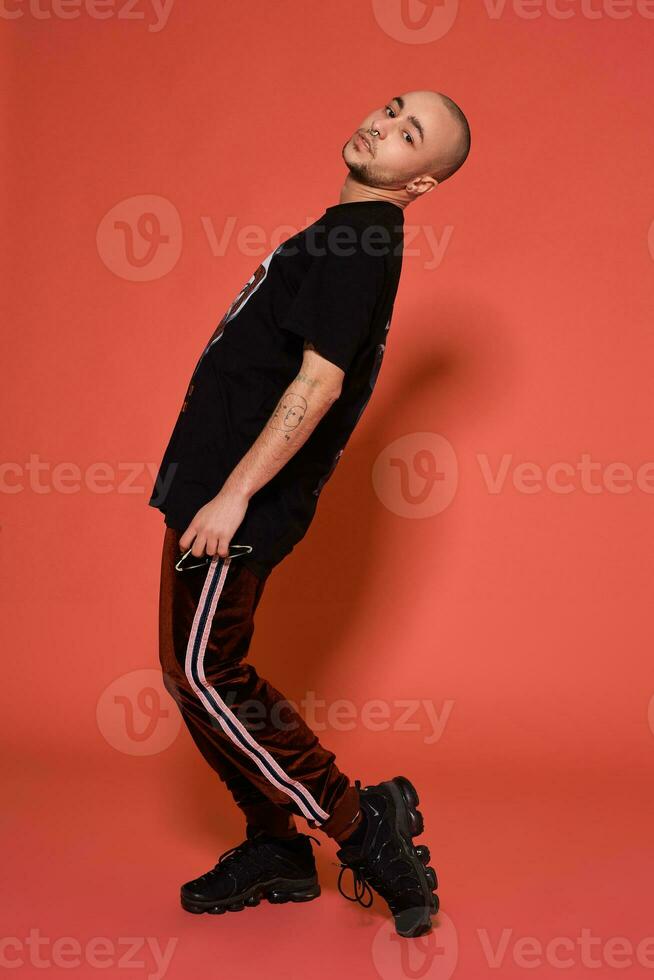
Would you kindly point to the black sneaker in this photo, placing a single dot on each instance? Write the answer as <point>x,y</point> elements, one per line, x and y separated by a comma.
<point>387,859</point>
<point>262,866</point>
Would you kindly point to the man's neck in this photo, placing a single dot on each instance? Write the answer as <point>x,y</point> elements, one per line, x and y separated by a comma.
<point>352,190</point>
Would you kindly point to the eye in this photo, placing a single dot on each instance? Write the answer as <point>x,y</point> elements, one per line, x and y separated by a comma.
<point>392,112</point>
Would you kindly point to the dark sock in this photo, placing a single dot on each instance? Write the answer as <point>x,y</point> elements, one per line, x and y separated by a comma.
<point>357,835</point>
<point>252,830</point>
<point>294,842</point>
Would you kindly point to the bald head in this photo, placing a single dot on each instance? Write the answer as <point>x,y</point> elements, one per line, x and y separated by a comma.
<point>456,141</point>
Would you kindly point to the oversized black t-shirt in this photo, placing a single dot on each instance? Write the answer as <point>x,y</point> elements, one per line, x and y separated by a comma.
<point>334,284</point>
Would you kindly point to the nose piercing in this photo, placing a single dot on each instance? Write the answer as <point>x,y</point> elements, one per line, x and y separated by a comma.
<point>374,132</point>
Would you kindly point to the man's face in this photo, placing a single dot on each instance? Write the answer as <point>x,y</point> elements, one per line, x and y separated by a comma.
<point>416,131</point>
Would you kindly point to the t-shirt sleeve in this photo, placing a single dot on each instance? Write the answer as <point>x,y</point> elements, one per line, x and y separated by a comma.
<point>334,306</point>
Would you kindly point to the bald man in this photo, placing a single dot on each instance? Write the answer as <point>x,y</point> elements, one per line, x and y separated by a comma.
<point>274,397</point>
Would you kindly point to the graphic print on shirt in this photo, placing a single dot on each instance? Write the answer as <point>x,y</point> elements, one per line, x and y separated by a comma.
<point>248,290</point>
<point>376,365</point>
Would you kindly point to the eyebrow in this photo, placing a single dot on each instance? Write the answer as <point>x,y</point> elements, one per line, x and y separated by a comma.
<point>412,119</point>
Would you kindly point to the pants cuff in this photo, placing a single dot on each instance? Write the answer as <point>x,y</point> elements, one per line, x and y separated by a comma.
<point>345,816</point>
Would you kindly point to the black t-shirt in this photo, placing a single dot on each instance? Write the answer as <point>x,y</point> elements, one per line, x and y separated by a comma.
<point>334,284</point>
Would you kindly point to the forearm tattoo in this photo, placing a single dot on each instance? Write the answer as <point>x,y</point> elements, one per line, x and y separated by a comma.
<point>289,413</point>
<point>312,382</point>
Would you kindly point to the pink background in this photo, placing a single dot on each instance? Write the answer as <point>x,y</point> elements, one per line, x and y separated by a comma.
<point>522,618</point>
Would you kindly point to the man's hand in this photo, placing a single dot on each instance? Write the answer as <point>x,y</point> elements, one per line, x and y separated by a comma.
<point>215,524</point>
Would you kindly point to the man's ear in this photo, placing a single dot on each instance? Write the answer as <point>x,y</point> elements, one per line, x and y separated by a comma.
<point>421,185</point>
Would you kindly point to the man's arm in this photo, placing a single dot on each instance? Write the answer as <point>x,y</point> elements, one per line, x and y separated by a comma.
<point>314,389</point>
<point>308,397</point>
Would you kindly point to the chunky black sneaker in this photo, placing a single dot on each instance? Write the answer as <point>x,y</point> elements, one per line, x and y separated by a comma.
<point>387,859</point>
<point>261,867</point>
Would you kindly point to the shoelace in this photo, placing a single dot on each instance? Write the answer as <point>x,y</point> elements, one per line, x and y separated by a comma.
<point>361,886</point>
<point>362,889</point>
<point>238,852</point>
<point>244,851</point>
